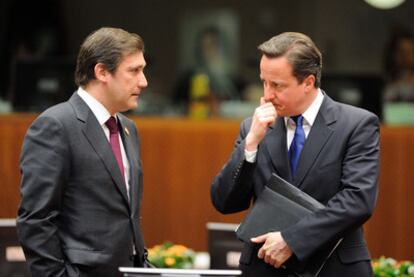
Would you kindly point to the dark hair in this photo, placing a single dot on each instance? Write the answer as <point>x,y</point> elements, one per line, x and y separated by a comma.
<point>393,70</point>
<point>107,46</point>
<point>214,34</point>
<point>301,52</point>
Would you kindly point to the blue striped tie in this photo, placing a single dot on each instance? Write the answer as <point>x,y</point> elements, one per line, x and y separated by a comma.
<point>297,144</point>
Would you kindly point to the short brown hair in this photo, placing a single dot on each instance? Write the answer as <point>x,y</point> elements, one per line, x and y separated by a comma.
<point>107,46</point>
<point>301,52</point>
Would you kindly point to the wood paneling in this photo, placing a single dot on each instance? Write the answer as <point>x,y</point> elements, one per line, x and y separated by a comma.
<point>181,158</point>
<point>12,130</point>
<point>391,229</point>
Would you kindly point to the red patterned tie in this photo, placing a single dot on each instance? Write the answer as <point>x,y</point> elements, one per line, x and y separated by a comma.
<point>114,141</point>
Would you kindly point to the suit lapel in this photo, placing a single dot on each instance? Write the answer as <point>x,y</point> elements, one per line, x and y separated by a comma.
<point>319,135</point>
<point>275,143</point>
<point>96,137</point>
<point>130,151</point>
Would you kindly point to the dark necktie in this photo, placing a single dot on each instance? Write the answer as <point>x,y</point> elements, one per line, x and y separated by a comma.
<point>297,144</point>
<point>114,141</point>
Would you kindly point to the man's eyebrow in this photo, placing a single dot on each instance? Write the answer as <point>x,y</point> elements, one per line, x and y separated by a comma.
<point>140,66</point>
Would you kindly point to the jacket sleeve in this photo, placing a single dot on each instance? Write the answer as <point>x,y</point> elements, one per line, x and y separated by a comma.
<point>232,188</point>
<point>44,165</point>
<point>353,204</point>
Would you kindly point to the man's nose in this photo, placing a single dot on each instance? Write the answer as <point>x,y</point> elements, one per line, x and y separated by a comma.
<point>143,83</point>
<point>267,94</point>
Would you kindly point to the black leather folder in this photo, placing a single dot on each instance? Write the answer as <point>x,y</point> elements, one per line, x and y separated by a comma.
<point>279,205</point>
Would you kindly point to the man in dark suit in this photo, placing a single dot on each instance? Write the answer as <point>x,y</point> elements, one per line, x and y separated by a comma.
<point>338,165</point>
<point>81,185</point>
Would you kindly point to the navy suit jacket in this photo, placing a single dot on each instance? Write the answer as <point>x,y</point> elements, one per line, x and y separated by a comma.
<point>338,166</point>
<point>75,217</point>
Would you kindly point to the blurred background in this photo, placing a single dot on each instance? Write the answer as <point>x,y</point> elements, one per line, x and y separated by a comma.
<point>187,40</point>
<point>203,68</point>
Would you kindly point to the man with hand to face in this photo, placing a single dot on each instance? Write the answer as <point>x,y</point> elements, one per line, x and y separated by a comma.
<point>327,149</point>
<point>81,188</point>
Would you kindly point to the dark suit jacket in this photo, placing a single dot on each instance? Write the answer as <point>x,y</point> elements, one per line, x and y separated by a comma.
<point>338,166</point>
<point>75,218</point>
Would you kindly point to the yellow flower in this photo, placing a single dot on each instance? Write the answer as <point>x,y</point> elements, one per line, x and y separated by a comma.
<point>169,261</point>
<point>170,255</point>
<point>389,267</point>
<point>178,250</point>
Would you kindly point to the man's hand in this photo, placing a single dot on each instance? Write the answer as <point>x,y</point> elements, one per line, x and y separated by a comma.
<point>263,117</point>
<point>275,250</point>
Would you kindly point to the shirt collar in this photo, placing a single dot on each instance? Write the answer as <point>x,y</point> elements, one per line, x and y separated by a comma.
<point>99,110</point>
<point>310,114</point>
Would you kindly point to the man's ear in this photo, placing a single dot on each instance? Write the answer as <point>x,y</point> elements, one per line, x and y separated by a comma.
<point>101,73</point>
<point>309,82</point>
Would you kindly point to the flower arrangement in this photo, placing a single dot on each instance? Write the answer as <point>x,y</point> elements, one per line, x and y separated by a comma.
<point>169,255</point>
<point>388,267</point>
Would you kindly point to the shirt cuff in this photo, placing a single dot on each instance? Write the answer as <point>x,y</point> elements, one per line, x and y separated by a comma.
<point>250,155</point>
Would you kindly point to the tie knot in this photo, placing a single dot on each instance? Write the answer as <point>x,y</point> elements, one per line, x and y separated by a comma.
<point>298,119</point>
<point>112,125</point>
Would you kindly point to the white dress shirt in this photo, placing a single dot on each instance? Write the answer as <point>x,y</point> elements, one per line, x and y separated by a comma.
<point>102,115</point>
<point>309,117</point>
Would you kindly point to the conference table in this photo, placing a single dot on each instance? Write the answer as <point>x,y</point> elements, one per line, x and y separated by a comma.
<point>181,156</point>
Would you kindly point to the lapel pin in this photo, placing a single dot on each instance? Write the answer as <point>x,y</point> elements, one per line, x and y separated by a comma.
<point>126,131</point>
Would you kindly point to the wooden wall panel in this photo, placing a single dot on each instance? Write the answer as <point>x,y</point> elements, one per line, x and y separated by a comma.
<point>12,131</point>
<point>181,158</point>
<point>391,229</point>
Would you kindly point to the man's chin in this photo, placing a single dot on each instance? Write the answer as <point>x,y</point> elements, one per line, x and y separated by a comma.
<point>280,112</point>
<point>129,108</point>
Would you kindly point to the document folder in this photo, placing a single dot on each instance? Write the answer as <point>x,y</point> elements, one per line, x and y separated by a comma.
<point>279,206</point>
